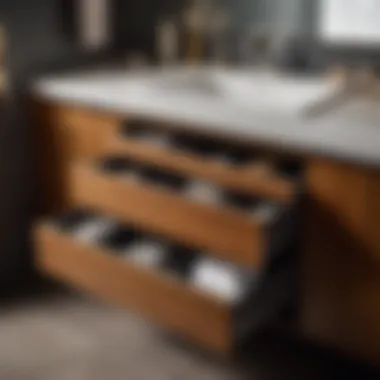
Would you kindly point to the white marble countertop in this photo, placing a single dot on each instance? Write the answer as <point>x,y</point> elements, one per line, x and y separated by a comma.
<point>262,109</point>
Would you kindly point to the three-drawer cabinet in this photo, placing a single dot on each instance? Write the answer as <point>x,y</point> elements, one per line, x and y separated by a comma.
<point>183,228</point>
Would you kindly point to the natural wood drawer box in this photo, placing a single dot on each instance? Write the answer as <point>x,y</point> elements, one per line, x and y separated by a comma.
<point>159,297</point>
<point>249,180</point>
<point>224,232</point>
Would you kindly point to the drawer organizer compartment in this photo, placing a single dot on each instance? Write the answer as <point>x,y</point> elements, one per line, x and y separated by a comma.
<point>239,228</point>
<point>233,167</point>
<point>206,300</point>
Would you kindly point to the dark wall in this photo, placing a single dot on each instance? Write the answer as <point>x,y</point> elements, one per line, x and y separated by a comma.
<point>39,41</point>
<point>34,40</point>
<point>135,22</point>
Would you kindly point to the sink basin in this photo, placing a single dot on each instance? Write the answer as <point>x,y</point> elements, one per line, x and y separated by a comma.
<point>260,91</point>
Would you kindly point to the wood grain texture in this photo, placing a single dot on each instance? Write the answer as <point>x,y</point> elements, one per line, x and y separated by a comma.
<point>341,275</point>
<point>222,232</point>
<point>63,135</point>
<point>163,300</point>
<point>88,132</point>
<point>251,180</point>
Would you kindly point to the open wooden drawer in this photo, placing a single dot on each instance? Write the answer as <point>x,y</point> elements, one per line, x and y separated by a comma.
<point>234,167</point>
<point>104,269</point>
<point>237,235</point>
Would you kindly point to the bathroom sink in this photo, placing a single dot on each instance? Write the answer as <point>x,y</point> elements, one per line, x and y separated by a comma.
<point>259,91</point>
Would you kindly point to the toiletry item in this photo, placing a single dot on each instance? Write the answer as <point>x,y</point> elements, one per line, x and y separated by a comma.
<point>94,23</point>
<point>167,42</point>
<point>218,278</point>
<point>146,252</point>
<point>203,192</point>
<point>94,230</point>
<point>196,19</point>
<point>217,30</point>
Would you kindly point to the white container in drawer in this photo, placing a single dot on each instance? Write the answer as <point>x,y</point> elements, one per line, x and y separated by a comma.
<point>219,279</point>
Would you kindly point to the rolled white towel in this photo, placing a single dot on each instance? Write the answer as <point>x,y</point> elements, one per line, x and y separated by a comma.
<point>94,230</point>
<point>203,192</point>
<point>147,252</point>
<point>219,279</point>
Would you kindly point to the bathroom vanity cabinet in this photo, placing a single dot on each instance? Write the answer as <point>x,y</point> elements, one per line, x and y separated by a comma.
<point>312,185</point>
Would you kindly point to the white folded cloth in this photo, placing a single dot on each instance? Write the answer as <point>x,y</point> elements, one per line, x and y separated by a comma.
<point>218,278</point>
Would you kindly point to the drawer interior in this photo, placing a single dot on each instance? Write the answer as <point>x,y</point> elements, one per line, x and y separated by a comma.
<point>243,229</point>
<point>182,228</point>
<point>182,289</point>
<point>192,189</point>
<point>238,167</point>
<point>153,252</point>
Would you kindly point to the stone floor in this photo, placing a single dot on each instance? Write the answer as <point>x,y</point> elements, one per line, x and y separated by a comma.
<point>58,335</point>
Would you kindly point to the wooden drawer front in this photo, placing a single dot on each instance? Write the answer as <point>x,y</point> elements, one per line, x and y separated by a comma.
<point>87,133</point>
<point>164,300</point>
<point>249,180</point>
<point>223,232</point>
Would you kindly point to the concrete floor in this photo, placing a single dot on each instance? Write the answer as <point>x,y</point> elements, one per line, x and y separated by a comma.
<point>59,335</point>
